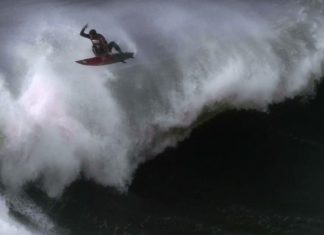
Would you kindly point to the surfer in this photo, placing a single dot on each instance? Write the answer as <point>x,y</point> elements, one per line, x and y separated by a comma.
<point>100,46</point>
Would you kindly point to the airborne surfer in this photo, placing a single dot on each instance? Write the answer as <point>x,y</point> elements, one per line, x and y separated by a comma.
<point>102,50</point>
<point>100,46</point>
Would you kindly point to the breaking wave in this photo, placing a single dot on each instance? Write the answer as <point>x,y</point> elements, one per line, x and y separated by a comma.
<point>9,226</point>
<point>60,120</point>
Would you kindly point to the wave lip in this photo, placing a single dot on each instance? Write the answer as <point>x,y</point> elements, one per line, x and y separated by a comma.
<point>60,120</point>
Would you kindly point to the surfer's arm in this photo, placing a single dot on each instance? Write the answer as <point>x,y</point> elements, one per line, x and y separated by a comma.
<point>83,34</point>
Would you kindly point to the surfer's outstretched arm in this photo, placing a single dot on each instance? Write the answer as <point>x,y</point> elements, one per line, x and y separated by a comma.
<point>83,34</point>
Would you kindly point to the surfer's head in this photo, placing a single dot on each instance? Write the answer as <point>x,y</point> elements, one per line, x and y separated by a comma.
<point>92,32</point>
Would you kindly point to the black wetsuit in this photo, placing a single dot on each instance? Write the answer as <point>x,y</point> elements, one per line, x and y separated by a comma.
<point>100,47</point>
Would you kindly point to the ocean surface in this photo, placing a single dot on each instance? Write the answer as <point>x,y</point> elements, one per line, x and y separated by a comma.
<point>216,127</point>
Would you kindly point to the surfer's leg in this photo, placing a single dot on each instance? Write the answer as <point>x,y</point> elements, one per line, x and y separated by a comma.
<point>98,51</point>
<point>112,45</point>
<point>94,51</point>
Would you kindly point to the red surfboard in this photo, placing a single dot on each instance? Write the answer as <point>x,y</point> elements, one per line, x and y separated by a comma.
<point>108,59</point>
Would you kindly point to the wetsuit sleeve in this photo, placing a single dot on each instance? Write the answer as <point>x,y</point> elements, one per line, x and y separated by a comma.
<point>83,34</point>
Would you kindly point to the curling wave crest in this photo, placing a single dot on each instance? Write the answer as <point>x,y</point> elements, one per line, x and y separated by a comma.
<point>60,120</point>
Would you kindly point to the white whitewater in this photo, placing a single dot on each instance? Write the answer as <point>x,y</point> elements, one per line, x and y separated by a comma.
<point>60,120</point>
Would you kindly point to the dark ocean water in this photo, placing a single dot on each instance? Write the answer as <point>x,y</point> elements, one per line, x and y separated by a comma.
<point>79,145</point>
<point>243,172</point>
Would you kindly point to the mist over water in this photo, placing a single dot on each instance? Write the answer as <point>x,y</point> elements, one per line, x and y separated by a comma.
<point>60,120</point>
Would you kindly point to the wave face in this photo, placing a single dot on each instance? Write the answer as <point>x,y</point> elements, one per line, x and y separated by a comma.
<point>9,226</point>
<point>60,120</point>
